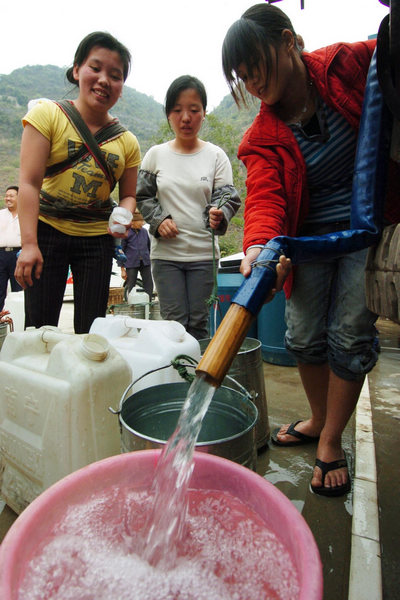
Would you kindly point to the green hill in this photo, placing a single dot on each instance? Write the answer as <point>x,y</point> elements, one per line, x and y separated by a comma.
<point>239,119</point>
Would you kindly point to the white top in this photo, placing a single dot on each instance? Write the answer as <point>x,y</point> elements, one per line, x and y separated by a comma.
<point>10,234</point>
<point>185,183</point>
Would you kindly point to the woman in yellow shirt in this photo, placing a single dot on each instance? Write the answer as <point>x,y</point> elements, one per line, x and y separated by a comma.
<point>64,199</point>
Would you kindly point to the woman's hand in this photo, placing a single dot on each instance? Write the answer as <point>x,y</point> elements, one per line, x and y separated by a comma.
<point>35,149</point>
<point>215,217</point>
<point>168,229</point>
<point>283,269</point>
<point>124,275</point>
<point>251,255</point>
<point>120,220</point>
<point>29,261</point>
<point>120,236</point>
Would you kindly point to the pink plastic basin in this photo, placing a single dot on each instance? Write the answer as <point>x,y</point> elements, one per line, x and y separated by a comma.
<point>137,468</point>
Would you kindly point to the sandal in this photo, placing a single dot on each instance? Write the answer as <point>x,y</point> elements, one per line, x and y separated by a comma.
<point>302,437</point>
<point>338,490</point>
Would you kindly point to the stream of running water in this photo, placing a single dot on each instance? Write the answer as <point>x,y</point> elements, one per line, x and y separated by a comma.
<point>170,486</point>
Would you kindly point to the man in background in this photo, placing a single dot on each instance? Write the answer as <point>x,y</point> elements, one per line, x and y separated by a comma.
<point>10,243</point>
<point>137,250</point>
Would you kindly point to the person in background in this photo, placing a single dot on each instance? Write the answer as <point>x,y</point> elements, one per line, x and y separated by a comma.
<point>64,200</point>
<point>136,248</point>
<point>299,154</point>
<point>10,243</point>
<point>185,191</point>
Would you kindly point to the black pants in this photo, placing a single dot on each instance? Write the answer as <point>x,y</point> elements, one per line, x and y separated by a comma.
<point>90,259</point>
<point>147,279</point>
<point>7,268</point>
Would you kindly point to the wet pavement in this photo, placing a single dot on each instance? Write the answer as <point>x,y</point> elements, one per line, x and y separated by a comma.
<point>290,469</point>
<point>384,383</point>
<point>357,535</point>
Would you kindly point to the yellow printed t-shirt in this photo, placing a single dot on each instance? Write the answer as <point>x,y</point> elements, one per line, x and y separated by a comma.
<point>84,185</point>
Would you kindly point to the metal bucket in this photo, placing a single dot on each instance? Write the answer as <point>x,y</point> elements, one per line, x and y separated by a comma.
<point>3,333</point>
<point>137,311</point>
<point>155,313</point>
<point>247,369</point>
<point>149,417</point>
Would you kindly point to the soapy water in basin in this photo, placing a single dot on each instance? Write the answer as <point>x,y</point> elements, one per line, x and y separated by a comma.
<point>168,542</point>
<point>225,553</point>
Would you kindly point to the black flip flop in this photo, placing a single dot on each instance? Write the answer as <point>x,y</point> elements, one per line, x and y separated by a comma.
<point>338,490</point>
<point>302,437</point>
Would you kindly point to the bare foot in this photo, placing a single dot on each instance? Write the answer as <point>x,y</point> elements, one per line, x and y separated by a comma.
<point>335,478</point>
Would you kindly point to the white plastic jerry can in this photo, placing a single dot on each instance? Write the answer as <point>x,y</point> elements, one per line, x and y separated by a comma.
<point>55,391</point>
<point>148,345</point>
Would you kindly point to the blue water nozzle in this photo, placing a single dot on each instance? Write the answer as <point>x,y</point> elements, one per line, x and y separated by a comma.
<point>254,290</point>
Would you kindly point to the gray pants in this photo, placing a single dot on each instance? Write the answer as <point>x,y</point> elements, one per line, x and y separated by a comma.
<point>183,289</point>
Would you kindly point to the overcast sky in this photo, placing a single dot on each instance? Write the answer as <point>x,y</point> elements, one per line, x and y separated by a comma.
<point>167,38</point>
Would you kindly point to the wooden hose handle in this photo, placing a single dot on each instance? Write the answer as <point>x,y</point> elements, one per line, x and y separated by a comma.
<point>225,344</point>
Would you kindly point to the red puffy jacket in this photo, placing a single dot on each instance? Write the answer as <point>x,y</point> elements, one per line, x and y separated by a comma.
<point>277,195</point>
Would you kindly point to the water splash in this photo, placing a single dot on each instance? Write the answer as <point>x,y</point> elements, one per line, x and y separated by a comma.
<point>165,526</point>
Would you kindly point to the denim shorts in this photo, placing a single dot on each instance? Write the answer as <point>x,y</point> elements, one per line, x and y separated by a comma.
<point>327,317</point>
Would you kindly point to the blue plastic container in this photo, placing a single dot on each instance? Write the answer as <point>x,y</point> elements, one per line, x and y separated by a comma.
<point>271,328</point>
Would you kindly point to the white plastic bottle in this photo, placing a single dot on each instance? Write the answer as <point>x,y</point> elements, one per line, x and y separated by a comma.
<point>119,219</point>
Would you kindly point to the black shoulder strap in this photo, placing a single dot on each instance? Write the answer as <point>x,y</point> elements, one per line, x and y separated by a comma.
<point>90,141</point>
<point>105,134</point>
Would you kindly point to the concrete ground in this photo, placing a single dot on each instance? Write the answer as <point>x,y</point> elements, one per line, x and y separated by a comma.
<point>357,535</point>
<point>290,469</point>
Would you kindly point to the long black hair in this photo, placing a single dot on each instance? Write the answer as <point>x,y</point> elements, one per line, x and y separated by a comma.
<point>248,42</point>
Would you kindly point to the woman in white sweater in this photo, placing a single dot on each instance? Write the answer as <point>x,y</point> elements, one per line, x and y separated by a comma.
<point>184,191</point>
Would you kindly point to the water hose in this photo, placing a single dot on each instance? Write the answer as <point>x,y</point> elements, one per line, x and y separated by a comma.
<point>245,306</point>
<point>369,188</point>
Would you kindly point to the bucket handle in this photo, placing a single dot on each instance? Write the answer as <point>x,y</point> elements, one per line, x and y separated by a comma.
<point>241,388</point>
<point>174,363</point>
<point>245,392</point>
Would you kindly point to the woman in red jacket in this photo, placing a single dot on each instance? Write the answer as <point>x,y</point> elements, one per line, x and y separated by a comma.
<point>299,154</point>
